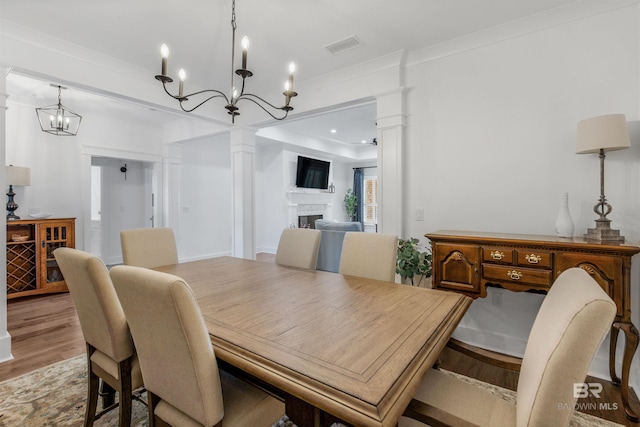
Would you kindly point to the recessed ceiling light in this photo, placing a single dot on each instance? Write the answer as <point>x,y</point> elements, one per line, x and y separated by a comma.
<point>364,141</point>
<point>333,131</point>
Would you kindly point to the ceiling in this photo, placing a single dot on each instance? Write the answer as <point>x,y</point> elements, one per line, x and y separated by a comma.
<point>198,33</point>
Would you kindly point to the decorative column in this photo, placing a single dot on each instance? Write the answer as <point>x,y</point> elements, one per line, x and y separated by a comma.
<point>390,137</point>
<point>243,175</point>
<point>5,338</point>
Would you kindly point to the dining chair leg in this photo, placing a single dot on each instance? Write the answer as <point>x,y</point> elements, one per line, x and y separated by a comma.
<point>92,399</point>
<point>152,401</point>
<point>93,383</point>
<point>124,419</point>
<point>154,421</point>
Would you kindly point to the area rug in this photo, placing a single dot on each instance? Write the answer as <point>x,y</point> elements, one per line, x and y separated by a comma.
<point>54,396</point>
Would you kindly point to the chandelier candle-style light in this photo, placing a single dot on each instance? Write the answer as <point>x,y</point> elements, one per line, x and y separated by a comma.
<point>232,97</point>
<point>57,119</point>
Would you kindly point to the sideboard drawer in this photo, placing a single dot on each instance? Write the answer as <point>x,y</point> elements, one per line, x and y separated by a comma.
<point>497,254</point>
<point>504,274</point>
<point>534,258</point>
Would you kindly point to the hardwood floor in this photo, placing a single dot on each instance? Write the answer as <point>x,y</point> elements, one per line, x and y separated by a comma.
<point>45,329</point>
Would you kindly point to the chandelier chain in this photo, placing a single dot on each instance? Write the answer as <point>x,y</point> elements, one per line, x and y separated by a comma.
<point>233,43</point>
<point>233,15</point>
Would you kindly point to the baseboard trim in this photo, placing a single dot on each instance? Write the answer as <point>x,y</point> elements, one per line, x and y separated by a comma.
<point>5,348</point>
<point>267,250</point>
<point>206,256</point>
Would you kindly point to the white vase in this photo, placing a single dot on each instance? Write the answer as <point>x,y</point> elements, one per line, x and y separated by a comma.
<point>564,223</point>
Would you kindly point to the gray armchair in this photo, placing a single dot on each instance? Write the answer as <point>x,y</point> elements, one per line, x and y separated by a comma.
<point>331,242</point>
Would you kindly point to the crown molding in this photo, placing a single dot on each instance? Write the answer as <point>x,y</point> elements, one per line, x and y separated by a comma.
<point>561,15</point>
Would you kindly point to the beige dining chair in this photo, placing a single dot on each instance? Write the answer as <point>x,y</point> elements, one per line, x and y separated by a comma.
<point>298,247</point>
<point>177,360</point>
<point>111,354</point>
<point>148,247</point>
<point>369,255</point>
<point>567,332</point>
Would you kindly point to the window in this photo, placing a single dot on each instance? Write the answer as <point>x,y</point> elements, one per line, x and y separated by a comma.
<point>370,213</point>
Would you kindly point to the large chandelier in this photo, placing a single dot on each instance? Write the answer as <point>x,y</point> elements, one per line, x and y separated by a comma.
<point>57,119</point>
<point>233,96</point>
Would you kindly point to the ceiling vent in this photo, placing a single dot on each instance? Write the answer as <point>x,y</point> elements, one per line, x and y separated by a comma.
<point>350,42</point>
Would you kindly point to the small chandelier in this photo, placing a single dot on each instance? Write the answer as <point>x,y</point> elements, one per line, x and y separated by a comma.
<point>233,96</point>
<point>57,119</point>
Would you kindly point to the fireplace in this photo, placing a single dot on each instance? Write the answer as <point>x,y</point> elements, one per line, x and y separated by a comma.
<point>309,205</point>
<point>308,221</point>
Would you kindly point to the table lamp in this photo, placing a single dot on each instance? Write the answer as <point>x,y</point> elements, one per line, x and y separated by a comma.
<point>18,176</point>
<point>598,135</point>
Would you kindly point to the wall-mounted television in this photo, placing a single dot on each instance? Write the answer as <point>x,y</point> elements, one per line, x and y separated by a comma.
<point>312,173</point>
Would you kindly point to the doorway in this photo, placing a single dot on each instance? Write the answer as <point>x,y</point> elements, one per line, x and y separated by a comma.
<point>122,197</point>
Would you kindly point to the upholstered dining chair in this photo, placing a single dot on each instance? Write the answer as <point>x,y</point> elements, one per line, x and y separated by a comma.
<point>184,385</point>
<point>298,247</point>
<point>148,247</point>
<point>111,354</point>
<point>369,255</point>
<point>567,332</point>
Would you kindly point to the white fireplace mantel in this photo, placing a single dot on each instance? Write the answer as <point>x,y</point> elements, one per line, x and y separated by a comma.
<point>308,203</point>
<point>309,198</point>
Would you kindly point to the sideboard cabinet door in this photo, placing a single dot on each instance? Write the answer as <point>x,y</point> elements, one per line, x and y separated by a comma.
<point>53,235</point>
<point>456,267</point>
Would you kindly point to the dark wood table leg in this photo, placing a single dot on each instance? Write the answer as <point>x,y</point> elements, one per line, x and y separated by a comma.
<point>631,345</point>
<point>303,414</point>
<point>107,393</point>
<point>300,412</point>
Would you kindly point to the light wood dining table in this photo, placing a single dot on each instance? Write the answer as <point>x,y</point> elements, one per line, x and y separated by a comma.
<point>336,348</point>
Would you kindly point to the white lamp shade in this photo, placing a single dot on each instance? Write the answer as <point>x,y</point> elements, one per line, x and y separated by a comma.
<point>607,133</point>
<point>17,175</point>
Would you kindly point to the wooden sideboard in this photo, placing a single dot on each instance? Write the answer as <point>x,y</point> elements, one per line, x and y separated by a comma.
<point>468,262</point>
<point>31,266</point>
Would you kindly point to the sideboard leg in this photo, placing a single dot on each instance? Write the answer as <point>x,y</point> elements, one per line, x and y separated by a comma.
<point>632,336</point>
<point>613,342</point>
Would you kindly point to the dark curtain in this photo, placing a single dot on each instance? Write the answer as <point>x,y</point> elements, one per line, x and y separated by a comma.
<point>358,188</point>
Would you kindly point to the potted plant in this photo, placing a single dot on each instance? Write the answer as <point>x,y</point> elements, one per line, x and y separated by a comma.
<point>412,263</point>
<point>350,204</point>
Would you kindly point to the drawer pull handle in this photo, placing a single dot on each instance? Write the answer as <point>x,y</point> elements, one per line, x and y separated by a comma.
<point>497,255</point>
<point>514,275</point>
<point>533,258</point>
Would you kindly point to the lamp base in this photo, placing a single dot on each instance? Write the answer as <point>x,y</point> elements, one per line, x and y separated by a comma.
<point>11,205</point>
<point>603,232</point>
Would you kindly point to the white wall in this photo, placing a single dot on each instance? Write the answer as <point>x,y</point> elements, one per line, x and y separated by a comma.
<point>271,199</point>
<point>343,180</point>
<point>491,143</point>
<point>205,199</point>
